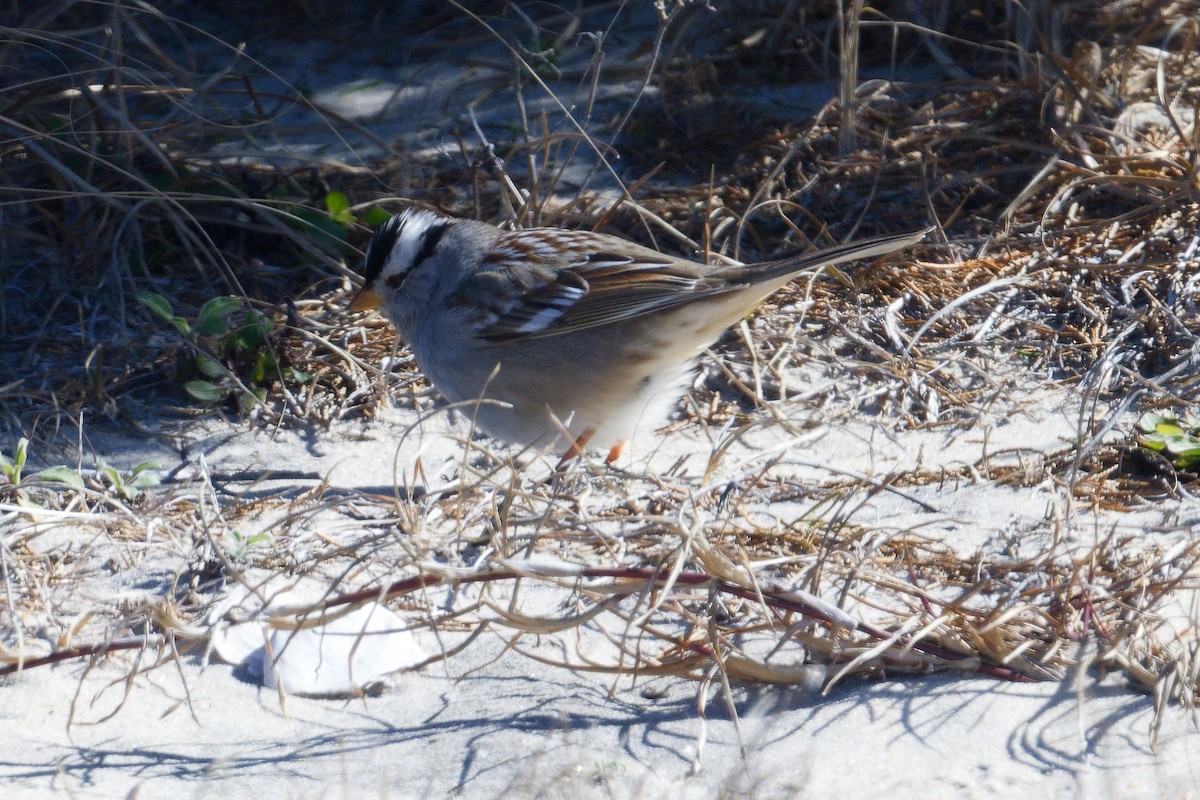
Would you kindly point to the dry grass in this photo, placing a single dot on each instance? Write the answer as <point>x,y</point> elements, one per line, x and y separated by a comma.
<point>1060,172</point>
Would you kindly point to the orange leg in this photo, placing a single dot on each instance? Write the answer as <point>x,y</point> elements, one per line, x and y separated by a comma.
<point>614,453</point>
<point>576,449</point>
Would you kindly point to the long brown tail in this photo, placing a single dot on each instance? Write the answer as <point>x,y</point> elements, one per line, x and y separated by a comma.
<point>838,254</point>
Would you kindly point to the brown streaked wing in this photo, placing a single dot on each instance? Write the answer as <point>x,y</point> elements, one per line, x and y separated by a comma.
<point>616,288</point>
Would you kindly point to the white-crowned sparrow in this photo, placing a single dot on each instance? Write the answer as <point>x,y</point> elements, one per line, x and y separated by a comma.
<point>564,335</point>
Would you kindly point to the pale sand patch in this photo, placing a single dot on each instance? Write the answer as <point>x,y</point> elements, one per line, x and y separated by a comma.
<point>491,723</point>
<point>514,728</point>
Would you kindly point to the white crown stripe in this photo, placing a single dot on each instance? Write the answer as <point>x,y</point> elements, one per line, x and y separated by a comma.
<point>414,225</point>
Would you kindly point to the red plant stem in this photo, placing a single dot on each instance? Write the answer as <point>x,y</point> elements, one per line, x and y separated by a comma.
<point>652,576</point>
<point>82,651</point>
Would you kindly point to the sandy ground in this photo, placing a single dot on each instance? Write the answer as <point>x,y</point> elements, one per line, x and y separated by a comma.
<point>512,729</point>
<point>491,723</point>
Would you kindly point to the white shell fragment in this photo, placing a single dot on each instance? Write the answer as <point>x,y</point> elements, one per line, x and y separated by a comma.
<point>345,654</point>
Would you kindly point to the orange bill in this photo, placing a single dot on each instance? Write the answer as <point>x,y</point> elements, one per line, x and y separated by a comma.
<point>365,299</point>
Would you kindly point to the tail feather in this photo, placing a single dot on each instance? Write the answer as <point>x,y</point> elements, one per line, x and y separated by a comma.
<point>828,257</point>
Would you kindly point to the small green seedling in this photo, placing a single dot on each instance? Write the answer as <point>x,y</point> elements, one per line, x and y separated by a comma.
<point>233,351</point>
<point>1175,437</point>
<point>63,475</point>
<point>243,544</point>
<point>12,473</point>
<point>13,467</point>
<point>129,486</point>
<point>330,228</point>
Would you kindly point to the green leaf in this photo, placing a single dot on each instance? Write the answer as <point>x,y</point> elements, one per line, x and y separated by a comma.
<point>158,304</point>
<point>1188,461</point>
<point>327,233</point>
<point>64,475</point>
<point>213,319</point>
<point>141,478</point>
<point>210,367</point>
<point>338,206</point>
<point>54,123</point>
<point>1179,444</point>
<point>252,332</point>
<point>258,370</point>
<point>1153,441</point>
<point>12,469</point>
<point>293,375</point>
<point>19,456</point>
<point>257,539</point>
<point>248,400</point>
<point>142,467</point>
<point>204,391</point>
<point>375,216</point>
<point>111,473</point>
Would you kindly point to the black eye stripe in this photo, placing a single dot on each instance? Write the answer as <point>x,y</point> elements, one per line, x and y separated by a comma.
<point>432,237</point>
<point>428,243</point>
<point>384,242</point>
<point>380,248</point>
